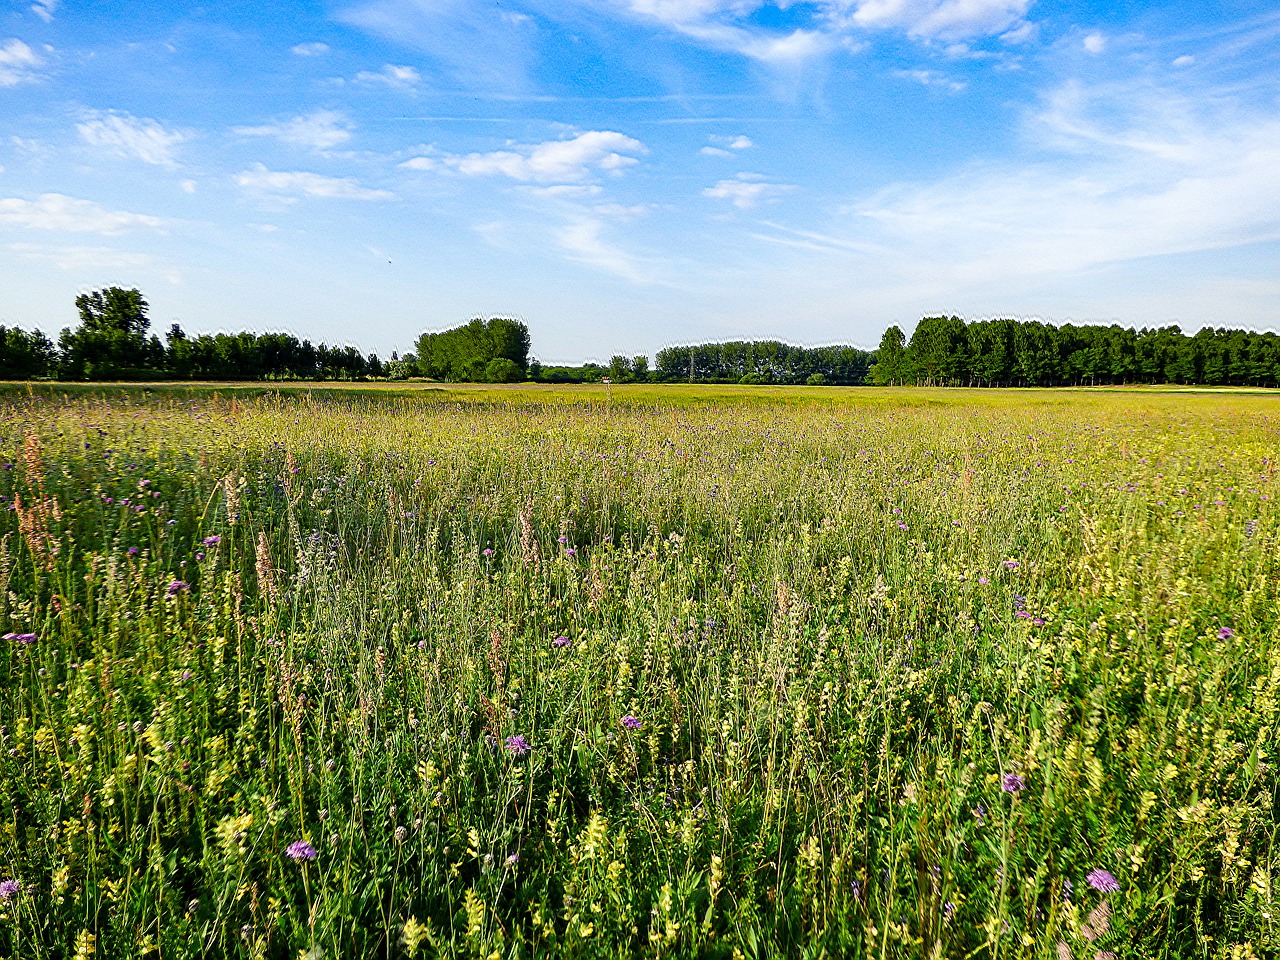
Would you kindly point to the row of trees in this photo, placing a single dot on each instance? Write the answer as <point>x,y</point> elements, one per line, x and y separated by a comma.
<point>947,351</point>
<point>113,342</point>
<point>763,361</point>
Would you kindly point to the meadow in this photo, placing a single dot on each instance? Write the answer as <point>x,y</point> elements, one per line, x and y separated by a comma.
<point>638,672</point>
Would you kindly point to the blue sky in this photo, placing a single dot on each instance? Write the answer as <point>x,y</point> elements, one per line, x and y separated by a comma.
<point>627,174</point>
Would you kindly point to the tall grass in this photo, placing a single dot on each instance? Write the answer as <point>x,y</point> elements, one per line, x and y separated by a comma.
<point>844,674</point>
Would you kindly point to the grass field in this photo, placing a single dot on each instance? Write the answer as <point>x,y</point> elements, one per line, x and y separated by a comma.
<point>652,671</point>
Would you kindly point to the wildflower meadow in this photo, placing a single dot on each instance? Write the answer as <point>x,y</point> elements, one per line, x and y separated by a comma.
<point>638,672</point>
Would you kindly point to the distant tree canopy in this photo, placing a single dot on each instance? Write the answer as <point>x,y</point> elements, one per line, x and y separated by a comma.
<point>763,361</point>
<point>112,343</point>
<point>486,351</point>
<point>947,351</point>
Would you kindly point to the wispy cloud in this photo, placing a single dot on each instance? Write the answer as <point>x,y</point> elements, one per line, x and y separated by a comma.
<point>1133,171</point>
<point>933,79</point>
<point>935,19</point>
<point>319,130</point>
<point>401,78</point>
<point>554,161</point>
<point>56,211</point>
<point>310,49</point>
<point>82,259</point>
<point>747,190</point>
<point>123,135</point>
<point>18,63</point>
<point>289,185</point>
<point>45,9</point>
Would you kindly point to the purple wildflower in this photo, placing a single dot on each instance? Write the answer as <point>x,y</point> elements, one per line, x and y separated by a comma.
<point>133,551</point>
<point>487,551</point>
<point>517,746</point>
<point>300,850</point>
<point>1103,881</point>
<point>1011,564</point>
<point>199,554</point>
<point>979,813</point>
<point>1022,615</point>
<point>177,587</point>
<point>21,637</point>
<point>9,889</point>
<point>1012,783</point>
<point>570,552</point>
<point>631,722</point>
<point>1225,633</point>
<point>560,642</point>
<point>984,580</point>
<point>563,540</point>
<point>212,541</point>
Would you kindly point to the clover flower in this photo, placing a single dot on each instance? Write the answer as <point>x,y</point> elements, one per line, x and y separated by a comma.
<point>1103,881</point>
<point>299,851</point>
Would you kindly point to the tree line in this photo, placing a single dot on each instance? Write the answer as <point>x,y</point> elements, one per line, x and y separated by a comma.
<point>113,342</point>
<point>947,351</point>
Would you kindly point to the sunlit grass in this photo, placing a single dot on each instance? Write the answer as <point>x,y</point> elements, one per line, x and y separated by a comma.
<point>900,670</point>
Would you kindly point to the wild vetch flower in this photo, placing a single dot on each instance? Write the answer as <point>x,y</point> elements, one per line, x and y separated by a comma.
<point>630,722</point>
<point>21,637</point>
<point>212,541</point>
<point>517,746</point>
<point>1012,783</point>
<point>560,642</point>
<point>300,850</point>
<point>1103,881</point>
<point>177,587</point>
<point>1225,633</point>
<point>9,889</point>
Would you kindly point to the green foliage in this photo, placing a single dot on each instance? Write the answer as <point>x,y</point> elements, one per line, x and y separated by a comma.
<point>763,361</point>
<point>801,673</point>
<point>464,353</point>
<point>25,356</point>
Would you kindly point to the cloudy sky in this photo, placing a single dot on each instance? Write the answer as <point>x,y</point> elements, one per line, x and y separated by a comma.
<point>626,174</point>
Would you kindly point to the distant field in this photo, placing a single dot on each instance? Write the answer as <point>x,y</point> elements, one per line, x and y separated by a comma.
<point>440,670</point>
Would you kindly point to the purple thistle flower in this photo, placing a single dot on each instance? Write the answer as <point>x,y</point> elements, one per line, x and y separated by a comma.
<point>560,642</point>
<point>570,552</point>
<point>1012,783</point>
<point>21,637</point>
<point>133,551</point>
<point>1225,633</point>
<point>300,850</point>
<point>177,587</point>
<point>518,746</point>
<point>212,541</point>
<point>1103,881</point>
<point>563,540</point>
<point>631,722</point>
<point>9,889</point>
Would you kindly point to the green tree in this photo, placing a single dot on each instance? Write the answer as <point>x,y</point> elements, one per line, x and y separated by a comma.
<point>111,341</point>
<point>890,365</point>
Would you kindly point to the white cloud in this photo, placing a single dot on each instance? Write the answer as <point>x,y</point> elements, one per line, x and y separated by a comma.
<point>1185,60</point>
<point>738,142</point>
<point>575,159</point>
<point>931,78</point>
<point>582,238</point>
<point>80,259</point>
<point>939,19</point>
<point>714,152</point>
<point>284,185</point>
<point>55,211</point>
<point>320,130</point>
<point>747,190</point>
<point>124,135</point>
<point>1132,172</point>
<point>45,9</point>
<point>187,186</point>
<point>18,63</point>
<point>401,78</point>
<point>1095,43</point>
<point>310,49</point>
